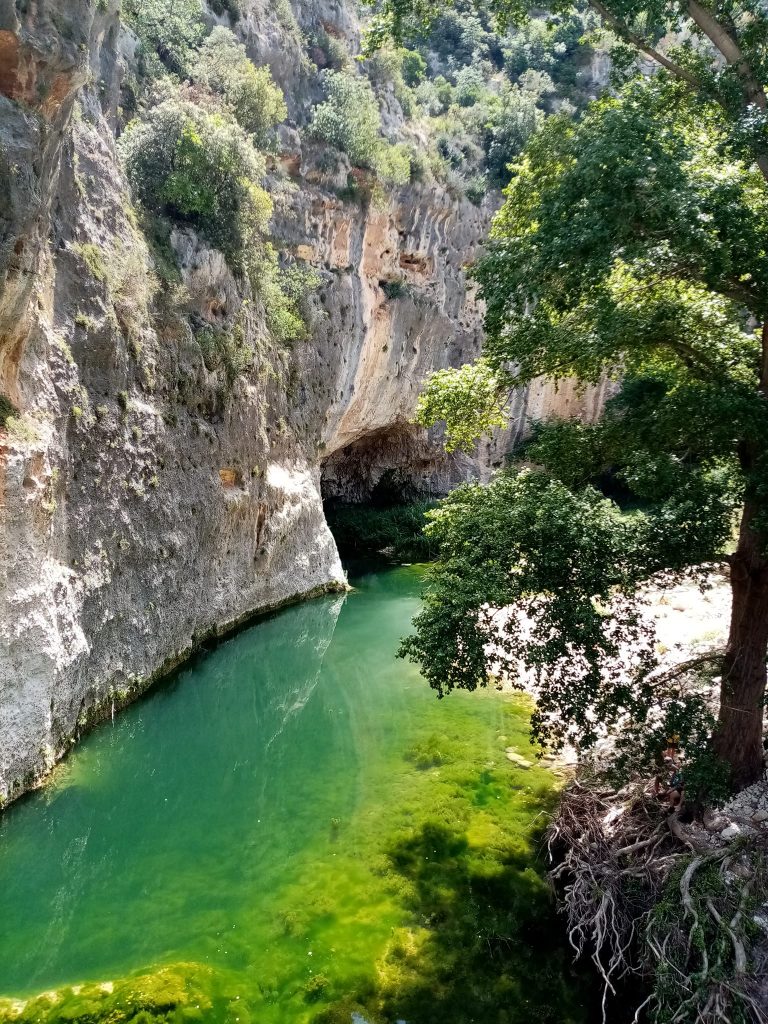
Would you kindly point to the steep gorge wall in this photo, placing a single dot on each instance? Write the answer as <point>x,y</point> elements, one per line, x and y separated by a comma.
<point>144,508</point>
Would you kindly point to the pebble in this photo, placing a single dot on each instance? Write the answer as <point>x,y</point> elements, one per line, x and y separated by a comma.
<point>759,816</point>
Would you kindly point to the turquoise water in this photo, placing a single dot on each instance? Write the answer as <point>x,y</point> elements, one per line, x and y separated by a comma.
<point>258,815</point>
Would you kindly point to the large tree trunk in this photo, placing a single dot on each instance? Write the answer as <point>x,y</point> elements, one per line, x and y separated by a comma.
<point>739,735</point>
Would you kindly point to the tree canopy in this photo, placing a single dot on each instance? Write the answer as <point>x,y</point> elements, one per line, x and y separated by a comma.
<point>719,53</point>
<point>631,245</point>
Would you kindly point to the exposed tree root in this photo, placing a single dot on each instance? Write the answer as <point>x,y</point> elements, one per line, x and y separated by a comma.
<point>646,896</point>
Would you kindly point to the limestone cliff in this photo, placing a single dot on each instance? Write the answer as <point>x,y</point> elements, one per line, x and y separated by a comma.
<point>144,507</point>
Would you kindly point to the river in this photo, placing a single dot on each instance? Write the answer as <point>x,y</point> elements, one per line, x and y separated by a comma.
<point>291,829</point>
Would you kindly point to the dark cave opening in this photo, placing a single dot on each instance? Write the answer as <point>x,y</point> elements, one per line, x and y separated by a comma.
<point>377,488</point>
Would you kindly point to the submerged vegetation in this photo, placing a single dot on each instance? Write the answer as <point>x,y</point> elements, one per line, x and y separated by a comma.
<point>390,868</point>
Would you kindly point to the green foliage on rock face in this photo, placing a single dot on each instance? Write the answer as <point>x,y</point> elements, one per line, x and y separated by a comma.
<point>478,111</point>
<point>170,31</point>
<point>248,91</point>
<point>508,130</point>
<point>201,168</point>
<point>225,350</point>
<point>193,156</point>
<point>349,119</point>
<point>413,67</point>
<point>230,7</point>
<point>284,291</point>
<point>7,409</point>
<point>556,47</point>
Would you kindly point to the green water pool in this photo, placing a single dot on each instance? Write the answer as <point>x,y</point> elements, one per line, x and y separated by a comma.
<point>292,829</point>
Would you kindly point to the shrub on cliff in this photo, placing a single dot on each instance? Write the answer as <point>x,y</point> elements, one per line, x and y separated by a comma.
<point>507,132</point>
<point>169,31</point>
<point>248,91</point>
<point>199,167</point>
<point>349,119</point>
<point>7,409</point>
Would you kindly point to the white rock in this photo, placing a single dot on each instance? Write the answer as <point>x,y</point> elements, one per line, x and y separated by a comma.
<point>715,822</point>
<point>518,759</point>
<point>731,831</point>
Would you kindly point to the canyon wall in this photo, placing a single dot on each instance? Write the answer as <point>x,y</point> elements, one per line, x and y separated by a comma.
<point>144,506</point>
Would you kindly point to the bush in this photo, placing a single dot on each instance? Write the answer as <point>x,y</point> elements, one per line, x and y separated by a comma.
<point>225,351</point>
<point>476,189</point>
<point>283,292</point>
<point>556,47</point>
<point>388,66</point>
<point>328,51</point>
<point>470,86</point>
<point>7,409</point>
<point>170,31</point>
<point>413,67</point>
<point>349,119</point>
<point>434,95</point>
<point>395,289</point>
<point>199,168</point>
<point>459,38</point>
<point>508,133</point>
<point>392,163</point>
<point>249,91</point>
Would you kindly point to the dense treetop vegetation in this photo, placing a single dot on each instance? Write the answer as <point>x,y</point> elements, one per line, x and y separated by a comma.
<point>483,91</point>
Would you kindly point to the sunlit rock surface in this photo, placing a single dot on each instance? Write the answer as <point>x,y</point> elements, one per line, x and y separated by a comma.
<point>144,508</point>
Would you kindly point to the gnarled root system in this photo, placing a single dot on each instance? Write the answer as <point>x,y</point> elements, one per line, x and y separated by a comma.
<point>649,896</point>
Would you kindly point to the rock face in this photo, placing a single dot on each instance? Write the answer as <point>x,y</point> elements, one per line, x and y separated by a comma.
<point>142,507</point>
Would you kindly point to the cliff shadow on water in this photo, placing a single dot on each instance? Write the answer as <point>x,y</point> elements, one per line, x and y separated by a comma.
<point>292,829</point>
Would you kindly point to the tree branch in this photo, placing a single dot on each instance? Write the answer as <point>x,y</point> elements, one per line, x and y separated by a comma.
<point>622,29</point>
<point>719,36</point>
<point>722,39</point>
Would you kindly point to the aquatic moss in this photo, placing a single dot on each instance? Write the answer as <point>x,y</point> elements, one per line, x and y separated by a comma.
<point>413,892</point>
<point>171,995</point>
<point>432,908</point>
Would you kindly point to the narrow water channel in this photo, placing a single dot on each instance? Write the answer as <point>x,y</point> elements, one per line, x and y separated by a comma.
<point>292,829</point>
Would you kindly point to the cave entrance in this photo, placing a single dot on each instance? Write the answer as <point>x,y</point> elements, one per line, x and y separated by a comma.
<point>394,465</point>
<point>377,488</point>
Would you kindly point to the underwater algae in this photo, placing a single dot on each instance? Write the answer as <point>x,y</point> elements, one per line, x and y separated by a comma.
<point>293,830</point>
